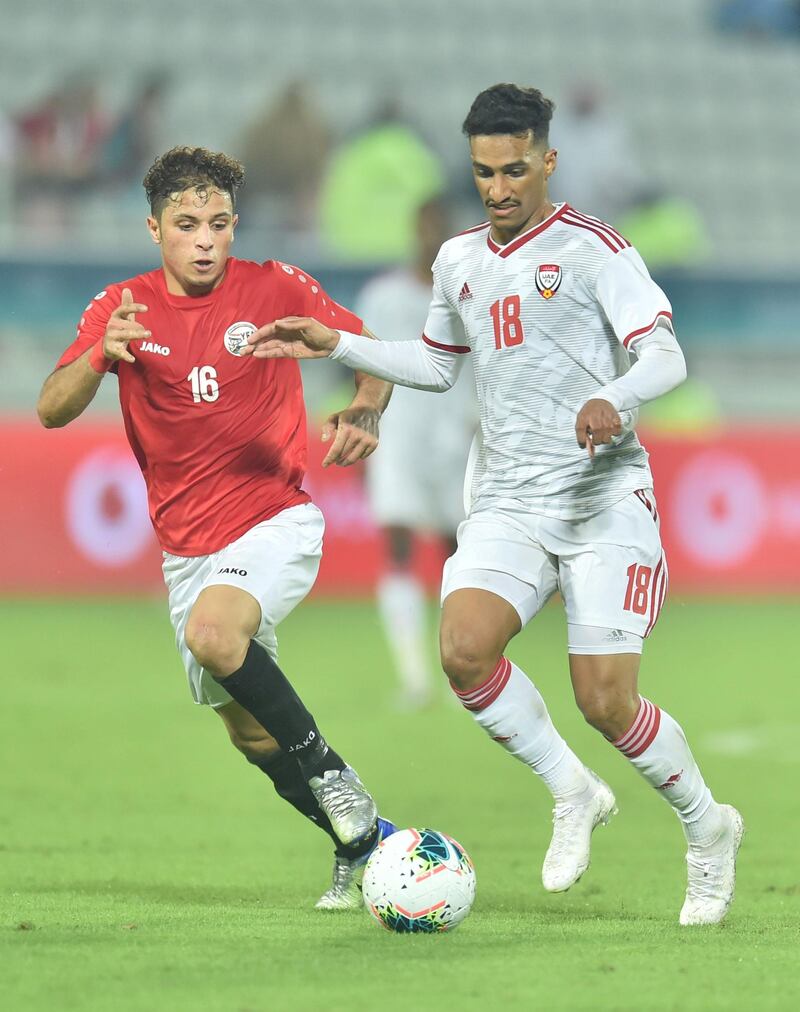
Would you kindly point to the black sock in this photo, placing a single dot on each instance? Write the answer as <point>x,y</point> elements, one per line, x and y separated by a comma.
<point>265,692</point>
<point>290,784</point>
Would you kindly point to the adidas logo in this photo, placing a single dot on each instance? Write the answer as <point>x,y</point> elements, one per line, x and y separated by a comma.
<point>465,293</point>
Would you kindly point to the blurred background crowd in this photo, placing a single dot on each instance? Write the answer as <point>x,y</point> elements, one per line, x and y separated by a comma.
<point>675,122</point>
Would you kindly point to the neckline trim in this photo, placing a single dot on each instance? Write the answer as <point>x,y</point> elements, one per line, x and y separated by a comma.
<point>515,244</point>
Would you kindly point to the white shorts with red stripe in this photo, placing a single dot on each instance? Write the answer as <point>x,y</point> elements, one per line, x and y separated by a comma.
<point>610,569</point>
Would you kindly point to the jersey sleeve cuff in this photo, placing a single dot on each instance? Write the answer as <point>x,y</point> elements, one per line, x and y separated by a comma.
<point>97,360</point>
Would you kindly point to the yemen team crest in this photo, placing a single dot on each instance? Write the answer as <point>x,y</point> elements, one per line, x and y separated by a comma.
<point>236,336</point>
<point>548,278</point>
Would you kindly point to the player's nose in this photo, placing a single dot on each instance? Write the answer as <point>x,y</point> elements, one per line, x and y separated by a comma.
<point>204,237</point>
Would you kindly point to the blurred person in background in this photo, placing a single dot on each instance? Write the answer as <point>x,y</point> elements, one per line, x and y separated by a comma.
<point>58,149</point>
<point>416,483</point>
<point>550,303</point>
<point>373,186</point>
<point>287,147</point>
<point>221,442</point>
<point>598,168</point>
<point>131,142</point>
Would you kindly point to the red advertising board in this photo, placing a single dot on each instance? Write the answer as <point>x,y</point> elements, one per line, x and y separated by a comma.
<point>74,518</point>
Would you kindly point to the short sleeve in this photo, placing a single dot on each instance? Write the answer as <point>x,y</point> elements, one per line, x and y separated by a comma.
<point>92,325</point>
<point>302,295</point>
<point>631,300</point>
<point>443,327</point>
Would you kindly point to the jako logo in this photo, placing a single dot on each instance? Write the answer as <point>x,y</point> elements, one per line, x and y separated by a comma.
<point>234,572</point>
<point>304,743</point>
<point>157,349</point>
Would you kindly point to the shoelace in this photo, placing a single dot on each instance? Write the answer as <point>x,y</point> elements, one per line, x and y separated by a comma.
<point>705,877</point>
<point>561,825</point>
<point>337,797</point>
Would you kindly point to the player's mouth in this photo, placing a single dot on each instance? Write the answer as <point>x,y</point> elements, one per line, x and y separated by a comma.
<point>503,210</point>
<point>203,266</point>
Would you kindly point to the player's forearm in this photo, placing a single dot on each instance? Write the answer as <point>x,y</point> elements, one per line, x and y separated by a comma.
<point>409,363</point>
<point>371,392</point>
<point>659,368</point>
<point>67,392</point>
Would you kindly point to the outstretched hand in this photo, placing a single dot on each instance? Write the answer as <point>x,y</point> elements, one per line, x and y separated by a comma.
<point>122,328</point>
<point>354,432</point>
<point>292,337</point>
<point>598,422</point>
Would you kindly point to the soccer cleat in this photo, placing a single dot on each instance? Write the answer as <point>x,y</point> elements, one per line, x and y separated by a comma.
<point>345,889</point>
<point>567,857</point>
<point>346,802</point>
<point>712,873</point>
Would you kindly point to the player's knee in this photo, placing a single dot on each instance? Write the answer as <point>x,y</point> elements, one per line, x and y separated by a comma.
<point>609,713</point>
<point>219,650</point>
<point>466,659</point>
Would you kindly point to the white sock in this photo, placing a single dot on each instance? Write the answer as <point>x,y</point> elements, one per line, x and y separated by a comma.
<point>401,602</point>
<point>511,711</point>
<point>657,747</point>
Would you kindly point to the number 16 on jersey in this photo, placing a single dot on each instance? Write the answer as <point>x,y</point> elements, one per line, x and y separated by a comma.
<point>204,384</point>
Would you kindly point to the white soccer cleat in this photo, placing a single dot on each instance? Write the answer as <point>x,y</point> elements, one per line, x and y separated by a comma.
<point>567,857</point>
<point>346,802</point>
<point>712,873</point>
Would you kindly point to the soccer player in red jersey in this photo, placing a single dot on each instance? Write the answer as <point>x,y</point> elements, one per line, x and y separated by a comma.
<point>221,441</point>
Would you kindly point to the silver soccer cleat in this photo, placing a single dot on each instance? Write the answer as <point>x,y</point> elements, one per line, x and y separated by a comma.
<point>345,888</point>
<point>346,802</point>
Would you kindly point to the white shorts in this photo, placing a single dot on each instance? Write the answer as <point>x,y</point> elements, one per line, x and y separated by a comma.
<point>276,562</point>
<point>419,486</point>
<point>610,569</point>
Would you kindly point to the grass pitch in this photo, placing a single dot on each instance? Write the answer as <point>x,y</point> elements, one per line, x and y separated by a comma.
<point>145,866</point>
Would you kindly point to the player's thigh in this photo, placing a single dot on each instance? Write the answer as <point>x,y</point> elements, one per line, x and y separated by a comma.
<point>476,625</point>
<point>606,689</point>
<point>496,554</point>
<point>612,570</point>
<point>274,564</point>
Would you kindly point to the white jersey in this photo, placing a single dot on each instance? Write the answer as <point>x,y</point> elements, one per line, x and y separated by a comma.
<point>415,479</point>
<point>549,319</point>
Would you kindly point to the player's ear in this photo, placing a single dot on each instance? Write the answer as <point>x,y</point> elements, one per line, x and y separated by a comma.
<point>550,162</point>
<point>234,223</point>
<point>154,229</point>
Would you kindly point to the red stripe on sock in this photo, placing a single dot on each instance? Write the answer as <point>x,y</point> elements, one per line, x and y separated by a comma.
<point>487,692</point>
<point>642,732</point>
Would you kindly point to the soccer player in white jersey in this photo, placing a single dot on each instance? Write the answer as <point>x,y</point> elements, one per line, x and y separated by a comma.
<point>412,491</point>
<point>551,303</point>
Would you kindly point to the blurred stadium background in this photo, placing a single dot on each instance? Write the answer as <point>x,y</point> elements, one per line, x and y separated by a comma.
<point>675,122</point>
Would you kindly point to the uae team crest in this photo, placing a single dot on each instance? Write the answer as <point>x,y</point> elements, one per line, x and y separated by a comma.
<point>236,336</point>
<point>548,278</point>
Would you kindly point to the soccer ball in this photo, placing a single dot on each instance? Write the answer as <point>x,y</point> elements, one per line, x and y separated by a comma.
<point>419,880</point>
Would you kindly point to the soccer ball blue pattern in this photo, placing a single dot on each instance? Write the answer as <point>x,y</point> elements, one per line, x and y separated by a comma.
<point>419,880</point>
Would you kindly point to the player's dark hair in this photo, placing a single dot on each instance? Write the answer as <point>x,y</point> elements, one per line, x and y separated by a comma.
<point>185,168</point>
<point>509,109</point>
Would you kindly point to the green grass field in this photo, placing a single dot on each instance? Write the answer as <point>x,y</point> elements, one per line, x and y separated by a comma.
<point>145,866</point>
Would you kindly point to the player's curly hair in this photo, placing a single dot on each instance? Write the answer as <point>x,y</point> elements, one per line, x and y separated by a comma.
<point>183,168</point>
<point>509,109</point>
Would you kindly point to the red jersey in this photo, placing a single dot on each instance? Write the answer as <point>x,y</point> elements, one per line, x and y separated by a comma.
<point>221,440</point>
